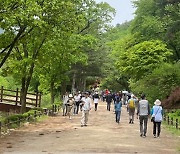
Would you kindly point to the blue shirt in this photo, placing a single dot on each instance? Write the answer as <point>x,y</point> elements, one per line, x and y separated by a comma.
<point>157,112</point>
<point>118,106</point>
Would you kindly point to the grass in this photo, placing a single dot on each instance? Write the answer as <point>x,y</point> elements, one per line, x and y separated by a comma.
<point>172,129</point>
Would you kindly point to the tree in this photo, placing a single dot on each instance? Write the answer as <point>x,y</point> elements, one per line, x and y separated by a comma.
<point>143,58</point>
<point>39,21</point>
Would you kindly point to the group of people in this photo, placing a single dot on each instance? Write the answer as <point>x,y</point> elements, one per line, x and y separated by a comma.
<point>143,112</point>
<point>83,102</point>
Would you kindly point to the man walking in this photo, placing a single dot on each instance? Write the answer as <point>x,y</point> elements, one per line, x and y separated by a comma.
<point>86,107</point>
<point>96,100</point>
<point>143,111</point>
<point>109,100</point>
<point>131,107</point>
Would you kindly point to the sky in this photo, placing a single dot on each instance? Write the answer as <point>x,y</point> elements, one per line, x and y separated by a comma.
<point>124,10</point>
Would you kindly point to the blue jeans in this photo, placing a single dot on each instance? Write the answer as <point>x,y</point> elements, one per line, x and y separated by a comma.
<point>118,113</point>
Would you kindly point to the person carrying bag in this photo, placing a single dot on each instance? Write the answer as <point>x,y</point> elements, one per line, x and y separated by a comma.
<point>157,114</point>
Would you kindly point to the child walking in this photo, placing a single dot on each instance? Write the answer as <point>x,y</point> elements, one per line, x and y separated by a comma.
<point>118,105</point>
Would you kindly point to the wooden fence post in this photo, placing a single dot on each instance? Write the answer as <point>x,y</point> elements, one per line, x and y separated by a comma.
<point>1,93</point>
<point>0,127</point>
<point>35,114</point>
<point>55,108</point>
<point>176,123</point>
<point>37,99</point>
<point>172,121</point>
<point>168,120</point>
<point>40,99</point>
<point>17,96</point>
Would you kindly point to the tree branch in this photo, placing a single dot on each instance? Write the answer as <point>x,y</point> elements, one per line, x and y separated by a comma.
<point>12,45</point>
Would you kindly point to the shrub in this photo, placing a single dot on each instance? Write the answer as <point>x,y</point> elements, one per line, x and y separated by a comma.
<point>173,101</point>
<point>160,83</point>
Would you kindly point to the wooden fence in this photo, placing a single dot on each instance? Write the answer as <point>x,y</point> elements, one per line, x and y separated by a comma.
<point>172,121</point>
<point>13,97</point>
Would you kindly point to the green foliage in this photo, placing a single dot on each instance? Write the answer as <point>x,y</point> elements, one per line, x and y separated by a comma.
<point>141,59</point>
<point>174,114</point>
<point>159,83</point>
<point>158,20</point>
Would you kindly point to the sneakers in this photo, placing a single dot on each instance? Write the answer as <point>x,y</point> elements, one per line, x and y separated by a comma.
<point>154,136</point>
<point>131,121</point>
<point>141,135</point>
<point>83,125</point>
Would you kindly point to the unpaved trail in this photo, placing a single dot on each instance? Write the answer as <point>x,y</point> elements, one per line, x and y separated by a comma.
<point>102,135</point>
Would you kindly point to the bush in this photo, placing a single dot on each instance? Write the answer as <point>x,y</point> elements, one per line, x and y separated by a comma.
<point>173,101</point>
<point>160,83</point>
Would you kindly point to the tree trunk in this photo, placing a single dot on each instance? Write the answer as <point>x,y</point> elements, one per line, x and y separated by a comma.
<point>23,95</point>
<point>84,84</point>
<point>73,90</point>
<point>63,88</point>
<point>52,92</point>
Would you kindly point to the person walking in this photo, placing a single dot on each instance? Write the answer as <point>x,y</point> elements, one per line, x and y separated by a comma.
<point>143,112</point>
<point>77,98</point>
<point>109,100</point>
<point>64,106</point>
<point>157,116</point>
<point>118,105</point>
<point>86,107</point>
<point>131,106</point>
<point>96,100</point>
<point>70,104</point>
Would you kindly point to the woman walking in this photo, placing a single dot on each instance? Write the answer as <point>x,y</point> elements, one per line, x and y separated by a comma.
<point>157,114</point>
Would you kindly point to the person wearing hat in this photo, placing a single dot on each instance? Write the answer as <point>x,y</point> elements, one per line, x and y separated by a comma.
<point>143,111</point>
<point>157,114</point>
<point>70,104</point>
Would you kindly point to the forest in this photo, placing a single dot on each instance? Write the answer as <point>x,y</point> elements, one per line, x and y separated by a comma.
<point>55,46</point>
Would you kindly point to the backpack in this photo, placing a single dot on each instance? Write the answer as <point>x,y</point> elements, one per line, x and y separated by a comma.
<point>131,104</point>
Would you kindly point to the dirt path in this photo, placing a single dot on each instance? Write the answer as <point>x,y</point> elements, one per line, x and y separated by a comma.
<point>102,135</point>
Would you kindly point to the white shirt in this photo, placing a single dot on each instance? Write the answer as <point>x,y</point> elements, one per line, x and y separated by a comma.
<point>65,99</point>
<point>77,98</point>
<point>87,103</point>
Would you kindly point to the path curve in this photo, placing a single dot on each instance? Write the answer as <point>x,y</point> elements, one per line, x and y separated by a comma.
<point>102,135</point>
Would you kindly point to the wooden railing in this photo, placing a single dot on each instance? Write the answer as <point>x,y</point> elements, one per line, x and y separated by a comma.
<point>13,97</point>
<point>172,121</point>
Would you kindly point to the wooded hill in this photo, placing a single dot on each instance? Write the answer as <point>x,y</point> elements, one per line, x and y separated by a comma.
<point>55,46</point>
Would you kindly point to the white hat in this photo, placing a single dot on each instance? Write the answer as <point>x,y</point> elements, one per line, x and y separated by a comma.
<point>157,102</point>
<point>132,95</point>
<point>70,95</point>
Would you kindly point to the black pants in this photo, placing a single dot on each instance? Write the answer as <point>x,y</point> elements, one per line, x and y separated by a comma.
<point>143,124</point>
<point>108,106</point>
<point>156,126</point>
<point>96,104</point>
